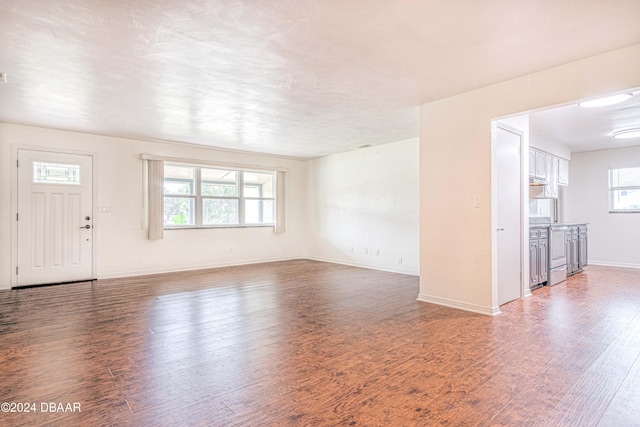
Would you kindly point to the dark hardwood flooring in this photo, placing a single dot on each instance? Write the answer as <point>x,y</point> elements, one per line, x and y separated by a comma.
<point>306,343</point>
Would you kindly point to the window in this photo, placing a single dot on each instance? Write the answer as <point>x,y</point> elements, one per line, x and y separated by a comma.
<point>197,196</point>
<point>624,190</point>
<point>56,173</point>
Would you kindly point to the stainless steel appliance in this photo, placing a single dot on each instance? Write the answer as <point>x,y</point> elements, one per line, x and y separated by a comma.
<point>557,254</point>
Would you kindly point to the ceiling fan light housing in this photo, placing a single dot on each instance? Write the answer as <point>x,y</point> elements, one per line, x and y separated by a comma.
<point>627,133</point>
<point>605,100</point>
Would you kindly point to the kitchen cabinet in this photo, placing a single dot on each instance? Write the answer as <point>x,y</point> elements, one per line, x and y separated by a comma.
<point>551,189</point>
<point>537,164</point>
<point>572,250</point>
<point>552,170</point>
<point>533,263</point>
<point>582,246</point>
<point>541,164</point>
<point>576,248</point>
<point>532,163</point>
<point>543,255</point>
<point>563,172</point>
<point>538,256</point>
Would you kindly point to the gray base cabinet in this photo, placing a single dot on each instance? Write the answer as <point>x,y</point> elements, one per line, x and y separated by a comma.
<point>576,248</point>
<point>538,256</point>
<point>582,247</point>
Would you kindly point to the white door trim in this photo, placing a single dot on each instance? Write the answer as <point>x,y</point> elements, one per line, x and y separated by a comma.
<point>14,203</point>
<point>524,219</point>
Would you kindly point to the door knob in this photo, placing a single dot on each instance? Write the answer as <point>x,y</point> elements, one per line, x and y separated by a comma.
<point>86,226</point>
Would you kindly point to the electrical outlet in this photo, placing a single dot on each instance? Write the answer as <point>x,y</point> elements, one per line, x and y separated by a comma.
<point>400,260</point>
<point>3,77</point>
<point>377,252</point>
<point>366,251</point>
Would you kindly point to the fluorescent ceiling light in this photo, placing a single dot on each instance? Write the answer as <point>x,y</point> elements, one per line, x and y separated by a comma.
<point>627,133</point>
<point>607,100</point>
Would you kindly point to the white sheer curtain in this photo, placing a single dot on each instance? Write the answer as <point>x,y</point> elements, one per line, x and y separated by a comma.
<point>155,181</point>
<point>280,214</point>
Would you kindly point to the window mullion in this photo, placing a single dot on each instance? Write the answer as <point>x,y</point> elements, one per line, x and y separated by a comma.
<point>198,198</point>
<point>241,198</point>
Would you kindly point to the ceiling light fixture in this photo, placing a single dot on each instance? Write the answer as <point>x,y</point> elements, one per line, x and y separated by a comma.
<point>606,100</point>
<point>627,133</point>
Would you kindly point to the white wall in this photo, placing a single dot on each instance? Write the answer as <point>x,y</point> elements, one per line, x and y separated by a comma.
<point>364,207</point>
<point>614,239</point>
<point>544,143</point>
<point>122,246</point>
<point>457,241</point>
<point>362,199</point>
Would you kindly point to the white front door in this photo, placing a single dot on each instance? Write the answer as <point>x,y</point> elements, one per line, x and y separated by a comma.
<point>55,219</point>
<point>509,214</point>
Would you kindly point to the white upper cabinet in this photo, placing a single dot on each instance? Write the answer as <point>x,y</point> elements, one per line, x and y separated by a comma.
<point>552,169</point>
<point>563,171</point>
<point>532,163</point>
<point>551,189</point>
<point>541,165</point>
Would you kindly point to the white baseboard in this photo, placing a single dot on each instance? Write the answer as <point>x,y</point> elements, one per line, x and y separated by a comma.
<point>408,271</point>
<point>176,269</point>
<point>614,264</point>
<point>460,305</point>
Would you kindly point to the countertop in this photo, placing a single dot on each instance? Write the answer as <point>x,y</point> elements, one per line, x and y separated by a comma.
<point>554,224</point>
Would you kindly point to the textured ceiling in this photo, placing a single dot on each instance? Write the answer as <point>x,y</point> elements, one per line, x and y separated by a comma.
<point>589,129</point>
<point>299,78</point>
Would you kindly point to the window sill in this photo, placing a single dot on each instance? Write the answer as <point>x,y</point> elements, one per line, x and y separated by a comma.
<point>214,227</point>
<point>627,211</point>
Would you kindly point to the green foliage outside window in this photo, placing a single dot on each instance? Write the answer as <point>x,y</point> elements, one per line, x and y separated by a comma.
<point>219,195</point>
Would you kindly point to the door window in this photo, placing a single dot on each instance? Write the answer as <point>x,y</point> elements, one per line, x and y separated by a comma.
<point>55,173</point>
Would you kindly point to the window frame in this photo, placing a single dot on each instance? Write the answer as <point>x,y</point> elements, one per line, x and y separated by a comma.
<point>198,197</point>
<point>613,189</point>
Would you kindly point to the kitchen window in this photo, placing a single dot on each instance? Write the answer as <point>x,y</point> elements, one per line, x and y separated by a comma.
<point>624,190</point>
<point>202,197</point>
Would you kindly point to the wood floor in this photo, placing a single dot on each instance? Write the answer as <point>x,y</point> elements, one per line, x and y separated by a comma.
<point>306,343</point>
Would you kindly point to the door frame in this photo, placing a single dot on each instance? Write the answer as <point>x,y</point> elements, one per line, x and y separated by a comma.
<point>14,203</point>
<point>524,218</point>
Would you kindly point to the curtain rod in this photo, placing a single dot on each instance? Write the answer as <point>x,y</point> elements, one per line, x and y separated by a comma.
<point>197,162</point>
